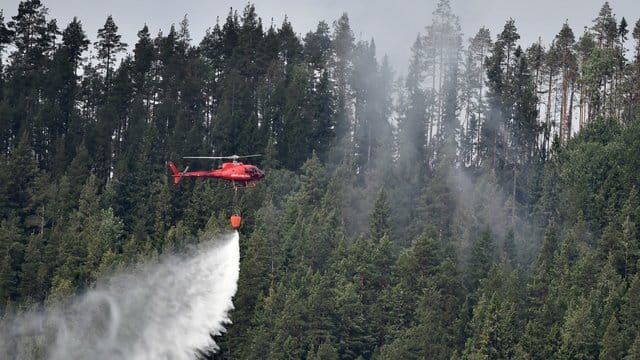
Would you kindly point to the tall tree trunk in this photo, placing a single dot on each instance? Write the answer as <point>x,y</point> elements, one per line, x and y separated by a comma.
<point>581,107</point>
<point>368,144</point>
<point>548,114</point>
<point>570,112</point>
<point>479,126</point>
<point>563,107</point>
<point>439,115</point>
<point>513,207</point>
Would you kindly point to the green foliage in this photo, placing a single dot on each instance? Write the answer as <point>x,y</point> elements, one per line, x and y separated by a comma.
<point>496,325</point>
<point>578,332</point>
<point>612,342</point>
<point>108,46</point>
<point>634,351</point>
<point>481,258</point>
<point>395,215</point>
<point>379,217</point>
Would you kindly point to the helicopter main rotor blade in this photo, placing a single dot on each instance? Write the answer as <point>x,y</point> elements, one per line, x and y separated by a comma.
<point>245,156</point>
<point>221,157</point>
<point>204,157</point>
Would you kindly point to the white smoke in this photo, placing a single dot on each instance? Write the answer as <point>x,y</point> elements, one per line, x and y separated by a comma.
<point>162,311</point>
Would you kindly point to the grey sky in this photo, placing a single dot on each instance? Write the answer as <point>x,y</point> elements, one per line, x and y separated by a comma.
<point>394,24</point>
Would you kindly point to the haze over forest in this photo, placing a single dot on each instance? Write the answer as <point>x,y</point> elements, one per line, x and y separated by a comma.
<point>482,205</point>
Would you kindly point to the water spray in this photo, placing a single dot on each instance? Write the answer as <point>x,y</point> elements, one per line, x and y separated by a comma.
<point>166,310</point>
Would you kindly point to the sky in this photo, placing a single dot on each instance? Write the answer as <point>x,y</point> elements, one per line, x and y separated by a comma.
<point>393,24</point>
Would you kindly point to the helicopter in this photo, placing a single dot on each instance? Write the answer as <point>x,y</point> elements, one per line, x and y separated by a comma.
<point>240,175</point>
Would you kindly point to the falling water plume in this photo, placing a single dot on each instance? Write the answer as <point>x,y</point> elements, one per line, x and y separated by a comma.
<point>166,310</point>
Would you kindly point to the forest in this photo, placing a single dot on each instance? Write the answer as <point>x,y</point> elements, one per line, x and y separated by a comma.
<point>483,206</point>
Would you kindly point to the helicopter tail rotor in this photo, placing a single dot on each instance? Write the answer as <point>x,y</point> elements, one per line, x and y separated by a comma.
<point>177,175</point>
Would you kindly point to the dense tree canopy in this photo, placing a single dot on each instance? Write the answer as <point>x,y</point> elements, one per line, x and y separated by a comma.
<point>484,205</point>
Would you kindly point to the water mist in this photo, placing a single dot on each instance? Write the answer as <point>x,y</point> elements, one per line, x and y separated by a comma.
<point>166,310</point>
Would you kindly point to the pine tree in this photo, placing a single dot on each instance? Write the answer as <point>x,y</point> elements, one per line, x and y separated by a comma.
<point>563,45</point>
<point>325,351</point>
<point>5,39</point>
<point>584,47</point>
<point>78,172</point>
<point>34,282</point>
<point>32,35</point>
<point>364,66</point>
<point>317,53</point>
<point>611,344</point>
<point>75,42</point>
<point>352,324</point>
<point>297,123</point>
<point>473,92</point>
<point>72,251</point>
<point>413,119</point>
<point>343,45</point>
<point>69,59</point>
<point>600,68</point>
<point>379,217</point>
<point>524,130</point>
<point>290,46</point>
<point>323,115</point>
<point>144,56</point>
<point>317,47</point>
<point>34,39</point>
<point>18,189</point>
<point>108,46</point>
<point>443,42</point>
<point>480,259</point>
<point>107,239</point>
<point>605,26</point>
<point>495,326</point>
<point>578,332</point>
<point>636,36</point>
<point>313,180</point>
<point>5,33</point>
<point>491,144</point>
<point>11,259</point>
<point>630,313</point>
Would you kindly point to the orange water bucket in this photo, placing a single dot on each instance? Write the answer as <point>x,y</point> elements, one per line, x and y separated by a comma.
<point>236,221</point>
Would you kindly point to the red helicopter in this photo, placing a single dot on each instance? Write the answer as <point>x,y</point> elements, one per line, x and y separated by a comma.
<point>241,175</point>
